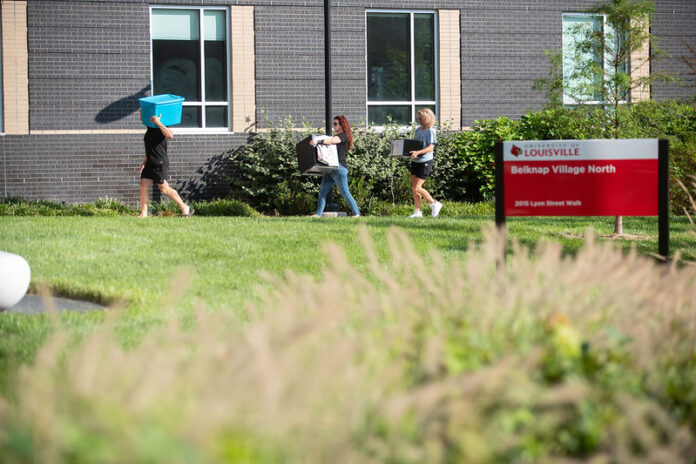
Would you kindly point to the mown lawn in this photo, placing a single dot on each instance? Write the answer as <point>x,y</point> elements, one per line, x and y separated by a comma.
<point>105,259</point>
<point>102,259</point>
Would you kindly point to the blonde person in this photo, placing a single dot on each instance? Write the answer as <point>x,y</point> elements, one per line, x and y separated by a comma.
<point>422,163</point>
<point>156,167</point>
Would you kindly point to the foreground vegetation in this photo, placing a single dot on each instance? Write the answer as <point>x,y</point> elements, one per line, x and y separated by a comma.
<point>385,353</point>
<point>418,343</point>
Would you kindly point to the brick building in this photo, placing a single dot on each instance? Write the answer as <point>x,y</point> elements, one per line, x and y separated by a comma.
<point>73,70</point>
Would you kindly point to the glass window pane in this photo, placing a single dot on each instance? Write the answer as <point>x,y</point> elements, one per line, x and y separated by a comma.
<point>582,65</point>
<point>216,116</point>
<point>190,116</point>
<point>388,57</point>
<point>176,54</point>
<point>215,56</point>
<point>424,60</point>
<point>175,24</point>
<point>380,115</point>
<point>214,25</point>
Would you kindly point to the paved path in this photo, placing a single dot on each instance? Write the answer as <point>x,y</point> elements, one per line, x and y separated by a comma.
<point>33,304</point>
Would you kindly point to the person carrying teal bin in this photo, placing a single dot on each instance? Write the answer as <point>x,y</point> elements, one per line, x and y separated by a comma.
<point>167,107</point>
<point>155,168</point>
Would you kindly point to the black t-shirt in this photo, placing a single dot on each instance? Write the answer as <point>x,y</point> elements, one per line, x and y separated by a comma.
<point>155,147</point>
<point>342,149</point>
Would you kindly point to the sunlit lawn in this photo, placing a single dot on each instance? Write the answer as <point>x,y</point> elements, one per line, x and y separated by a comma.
<point>105,259</point>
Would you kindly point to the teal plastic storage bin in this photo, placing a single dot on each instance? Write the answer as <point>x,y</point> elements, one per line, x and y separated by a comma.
<point>166,105</point>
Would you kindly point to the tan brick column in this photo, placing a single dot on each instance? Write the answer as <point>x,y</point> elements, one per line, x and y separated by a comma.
<point>450,68</point>
<point>15,67</point>
<point>243,67</point>
<point>640,67</point>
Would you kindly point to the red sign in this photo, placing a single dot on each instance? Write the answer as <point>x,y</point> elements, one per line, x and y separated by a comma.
<point>581,178</point>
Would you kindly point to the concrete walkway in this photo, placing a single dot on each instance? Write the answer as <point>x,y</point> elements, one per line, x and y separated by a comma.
<point>34,304</point>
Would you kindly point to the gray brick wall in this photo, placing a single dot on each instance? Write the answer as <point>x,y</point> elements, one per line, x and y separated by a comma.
<point>89,61</point>
<point>80,168</point>
<point>674,24</point>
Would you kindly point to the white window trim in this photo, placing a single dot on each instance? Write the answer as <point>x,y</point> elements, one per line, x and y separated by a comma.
<point>413,103</point>
<point>228,55</point>
<point>568,100</point>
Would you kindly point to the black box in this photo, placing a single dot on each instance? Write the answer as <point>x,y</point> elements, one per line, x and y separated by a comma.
<point>307,159</point>
<point>402,148</point>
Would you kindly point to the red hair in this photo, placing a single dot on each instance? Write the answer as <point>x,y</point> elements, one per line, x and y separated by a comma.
<point>345,125</point>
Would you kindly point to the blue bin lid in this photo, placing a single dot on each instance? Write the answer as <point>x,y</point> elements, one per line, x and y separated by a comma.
<point>163,98</point>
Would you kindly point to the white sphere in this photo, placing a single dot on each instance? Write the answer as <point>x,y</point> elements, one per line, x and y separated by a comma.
<point>14,279</point>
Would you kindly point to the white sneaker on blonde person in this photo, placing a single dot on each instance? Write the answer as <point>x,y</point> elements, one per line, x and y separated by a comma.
<point>436,207</point>
<point>417,214</point>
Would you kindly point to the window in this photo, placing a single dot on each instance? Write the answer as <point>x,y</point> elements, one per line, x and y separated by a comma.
<point>586,59</point>
<point>189,59</point>
<point>401,65</point>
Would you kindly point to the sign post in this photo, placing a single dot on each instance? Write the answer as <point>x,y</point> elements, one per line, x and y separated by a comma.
<point>625,177</point>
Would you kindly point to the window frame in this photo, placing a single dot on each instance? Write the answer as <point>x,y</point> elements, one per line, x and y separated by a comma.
<point>569,101</point>
<point>413,103</point>
<point>228,69</point>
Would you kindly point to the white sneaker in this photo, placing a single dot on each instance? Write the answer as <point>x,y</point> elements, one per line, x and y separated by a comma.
<point>417,214</point>
<point>436,207</point>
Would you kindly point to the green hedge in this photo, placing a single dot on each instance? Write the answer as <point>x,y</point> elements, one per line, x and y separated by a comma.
<point>267,174</point>
<point>14,206</point>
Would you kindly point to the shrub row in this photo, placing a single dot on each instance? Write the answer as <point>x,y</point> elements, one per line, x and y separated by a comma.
<point>110,207</point>
<point>266,174</point>
<point>221,207</point>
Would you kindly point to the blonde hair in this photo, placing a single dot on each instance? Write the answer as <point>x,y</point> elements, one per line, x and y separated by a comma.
<point>428,116</point>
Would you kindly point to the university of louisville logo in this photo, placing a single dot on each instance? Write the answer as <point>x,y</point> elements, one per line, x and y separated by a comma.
<point>517,151</point>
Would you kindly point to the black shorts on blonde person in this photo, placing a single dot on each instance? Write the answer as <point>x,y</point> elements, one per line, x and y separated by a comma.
<point>422,170</point>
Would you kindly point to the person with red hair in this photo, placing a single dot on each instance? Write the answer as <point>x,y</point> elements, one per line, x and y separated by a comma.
<point>344,142</point>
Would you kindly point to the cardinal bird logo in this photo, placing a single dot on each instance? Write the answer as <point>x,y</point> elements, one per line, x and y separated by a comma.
<point>517,151</point>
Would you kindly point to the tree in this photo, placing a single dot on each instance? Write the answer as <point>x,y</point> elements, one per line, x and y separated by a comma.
<point>604,62</point>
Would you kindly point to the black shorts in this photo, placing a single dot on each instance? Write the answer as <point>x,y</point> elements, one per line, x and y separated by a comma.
<point>158,174</point>
<point>422,170</point>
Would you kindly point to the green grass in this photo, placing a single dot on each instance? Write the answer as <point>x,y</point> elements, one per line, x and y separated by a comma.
<point>108,258</point>
<point>102,259</point>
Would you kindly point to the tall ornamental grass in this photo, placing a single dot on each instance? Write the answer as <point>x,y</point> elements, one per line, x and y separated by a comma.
<point>421,359</point>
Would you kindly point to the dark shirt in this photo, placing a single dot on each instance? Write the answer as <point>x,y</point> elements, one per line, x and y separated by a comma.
<point>342,149</point>
<point>156,147</point>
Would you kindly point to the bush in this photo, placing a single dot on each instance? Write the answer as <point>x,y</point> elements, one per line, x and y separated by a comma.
<point>223,207</point>
<point>267,174</point>
<point>451,179</point>
<point>562,123</point>
<point>474,151</point>
<point>14,206</point>
<point>112,207</point>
